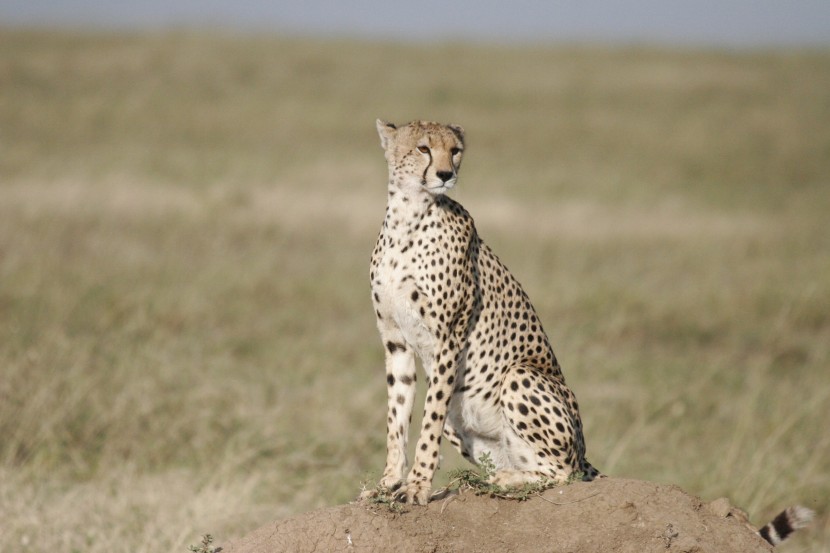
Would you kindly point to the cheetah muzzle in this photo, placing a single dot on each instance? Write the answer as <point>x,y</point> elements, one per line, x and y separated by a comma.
<point>494,384</point>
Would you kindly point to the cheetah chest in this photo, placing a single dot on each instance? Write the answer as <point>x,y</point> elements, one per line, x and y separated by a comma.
<point>397,296</point>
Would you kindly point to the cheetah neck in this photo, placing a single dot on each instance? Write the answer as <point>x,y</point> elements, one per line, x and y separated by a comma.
<point>404,211</point>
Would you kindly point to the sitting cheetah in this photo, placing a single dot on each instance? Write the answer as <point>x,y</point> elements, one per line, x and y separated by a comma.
<point>494,385</point>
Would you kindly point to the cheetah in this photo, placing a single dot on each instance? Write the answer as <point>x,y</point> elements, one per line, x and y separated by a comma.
<point>494,385</point>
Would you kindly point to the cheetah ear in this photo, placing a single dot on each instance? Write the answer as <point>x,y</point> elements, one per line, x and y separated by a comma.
<point>458,130</point>
<point>386,131</point>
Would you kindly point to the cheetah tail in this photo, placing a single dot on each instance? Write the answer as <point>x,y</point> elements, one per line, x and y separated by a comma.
<point>788,521</point>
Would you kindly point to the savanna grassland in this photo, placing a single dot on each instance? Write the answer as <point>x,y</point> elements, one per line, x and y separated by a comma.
<point>187,343</point>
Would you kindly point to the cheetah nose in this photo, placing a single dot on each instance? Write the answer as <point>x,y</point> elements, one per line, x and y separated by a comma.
<point>444,175</point>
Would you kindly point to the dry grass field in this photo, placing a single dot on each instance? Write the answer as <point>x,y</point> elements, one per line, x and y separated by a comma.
<point>187,344</point>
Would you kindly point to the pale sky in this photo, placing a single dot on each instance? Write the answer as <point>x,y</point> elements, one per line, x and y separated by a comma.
<point>697,22</point>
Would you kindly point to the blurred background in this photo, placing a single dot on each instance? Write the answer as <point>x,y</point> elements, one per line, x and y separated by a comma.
<point>190,191</point>
<point>704,23</point>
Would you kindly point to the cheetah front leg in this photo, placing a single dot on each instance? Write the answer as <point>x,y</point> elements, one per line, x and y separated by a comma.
<point>400,388</point>
<point>439,392</point>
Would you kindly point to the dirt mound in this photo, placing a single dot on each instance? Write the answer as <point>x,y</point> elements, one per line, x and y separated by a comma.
<point>608,515</point>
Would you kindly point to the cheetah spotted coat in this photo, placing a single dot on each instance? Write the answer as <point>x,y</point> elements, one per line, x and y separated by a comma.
<point>494,384</point>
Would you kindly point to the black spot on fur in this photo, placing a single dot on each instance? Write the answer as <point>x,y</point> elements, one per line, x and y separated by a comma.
<point>393,347</point>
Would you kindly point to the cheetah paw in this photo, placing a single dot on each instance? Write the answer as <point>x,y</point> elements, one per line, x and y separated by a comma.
<point>416,493</point>
<point>380,491</point>
<point>507,478</point>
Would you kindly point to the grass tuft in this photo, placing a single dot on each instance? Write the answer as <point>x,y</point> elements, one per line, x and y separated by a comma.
<point>479,481</point>
<point>205,546</point>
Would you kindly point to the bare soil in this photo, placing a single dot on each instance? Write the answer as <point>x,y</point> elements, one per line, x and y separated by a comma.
<point>608,515</point>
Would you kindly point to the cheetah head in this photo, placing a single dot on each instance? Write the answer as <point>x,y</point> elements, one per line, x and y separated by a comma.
<point>422,155</point>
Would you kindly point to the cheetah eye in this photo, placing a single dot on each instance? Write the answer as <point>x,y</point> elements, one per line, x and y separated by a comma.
<point>455,151</point>
<point>423,149</point>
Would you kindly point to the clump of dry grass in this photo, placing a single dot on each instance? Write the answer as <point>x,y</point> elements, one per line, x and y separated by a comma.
<point>185,222</point>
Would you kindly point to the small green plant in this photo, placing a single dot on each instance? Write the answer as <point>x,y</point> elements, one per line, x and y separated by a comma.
<point>384,496</point>
<point>479,482</point>
<point>205,546</point>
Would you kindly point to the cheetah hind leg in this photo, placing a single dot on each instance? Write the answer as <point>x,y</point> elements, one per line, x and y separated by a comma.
<point>473,447</point>
<point>542,436</point>
<point>510,478</point>
<point>589,472</point>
